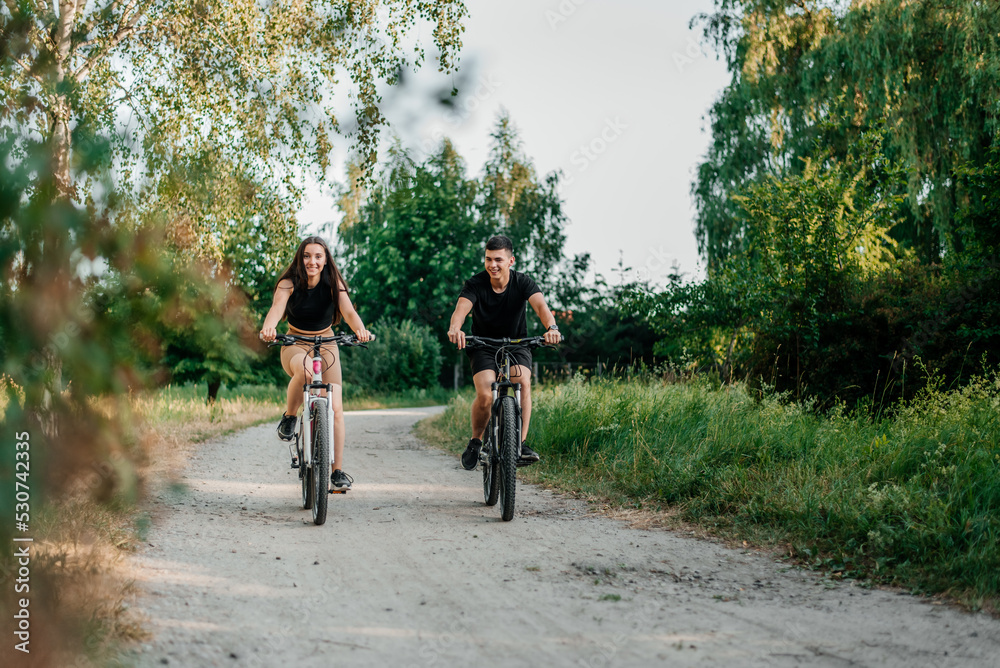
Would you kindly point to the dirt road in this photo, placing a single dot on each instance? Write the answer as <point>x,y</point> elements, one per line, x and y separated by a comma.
<point>411,569</point>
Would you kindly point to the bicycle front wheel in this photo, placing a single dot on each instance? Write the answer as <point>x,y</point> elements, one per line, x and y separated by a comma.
<point>507,463</point>
<point>305,473</point>
<point>320,468</point>
<point>491,472</point>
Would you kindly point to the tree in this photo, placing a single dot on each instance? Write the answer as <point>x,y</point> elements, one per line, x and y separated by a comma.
<point>228,105</point>
<point>782,309</point>
<point>234,224</point>
<point>230,216</point>
<point>415,241</point>
<point>514,202</point>
<point>809,73</point>
<point>255,79</point>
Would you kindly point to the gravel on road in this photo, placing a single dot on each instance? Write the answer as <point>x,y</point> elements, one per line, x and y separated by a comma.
<point>412,569</point>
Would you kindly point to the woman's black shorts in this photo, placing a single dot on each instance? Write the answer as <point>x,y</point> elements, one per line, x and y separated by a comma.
<point>486,358</point>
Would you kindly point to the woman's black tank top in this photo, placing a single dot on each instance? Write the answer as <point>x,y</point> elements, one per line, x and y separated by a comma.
<point>311,310</point>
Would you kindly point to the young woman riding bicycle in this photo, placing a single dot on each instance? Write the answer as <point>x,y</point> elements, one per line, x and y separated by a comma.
<point>312,295</point>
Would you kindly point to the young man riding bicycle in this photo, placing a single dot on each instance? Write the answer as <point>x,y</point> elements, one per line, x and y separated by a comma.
<point>496,298</point>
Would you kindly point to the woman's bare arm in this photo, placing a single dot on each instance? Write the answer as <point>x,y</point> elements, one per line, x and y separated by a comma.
<point>281,294</point>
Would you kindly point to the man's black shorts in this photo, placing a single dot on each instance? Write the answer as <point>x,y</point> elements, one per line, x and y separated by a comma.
<point>486,358</point>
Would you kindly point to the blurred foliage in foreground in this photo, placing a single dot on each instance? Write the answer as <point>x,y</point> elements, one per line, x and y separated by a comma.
<point>63,345</point>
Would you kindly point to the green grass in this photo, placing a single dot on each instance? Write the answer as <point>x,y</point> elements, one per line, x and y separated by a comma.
<point>355,397</point>
<point>911,499</point>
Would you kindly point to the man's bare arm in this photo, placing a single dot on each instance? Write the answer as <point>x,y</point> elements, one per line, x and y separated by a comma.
<point>537,302</point>
<point>462,311</point>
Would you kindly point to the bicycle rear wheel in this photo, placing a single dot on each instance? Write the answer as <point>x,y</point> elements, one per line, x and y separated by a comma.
<point>491,472</point>
<point>507,463</point>
<point>320,468</point>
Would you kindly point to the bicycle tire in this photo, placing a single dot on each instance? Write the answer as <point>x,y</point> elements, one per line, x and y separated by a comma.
<point>320,462</point>
<point>508,458</point>
<point>305,472</point>
<point>491,472</point>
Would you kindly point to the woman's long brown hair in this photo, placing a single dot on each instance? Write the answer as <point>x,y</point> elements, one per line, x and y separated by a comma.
<point>296,273</point>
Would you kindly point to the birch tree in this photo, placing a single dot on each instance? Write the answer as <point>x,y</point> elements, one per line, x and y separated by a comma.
<point>810,76</point>
<point>258,79</point>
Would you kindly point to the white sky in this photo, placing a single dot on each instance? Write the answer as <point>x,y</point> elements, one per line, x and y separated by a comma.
<point>612,93</point>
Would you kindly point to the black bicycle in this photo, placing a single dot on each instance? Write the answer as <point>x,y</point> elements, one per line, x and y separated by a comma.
<point>502,440</point>
<point>313,462</point>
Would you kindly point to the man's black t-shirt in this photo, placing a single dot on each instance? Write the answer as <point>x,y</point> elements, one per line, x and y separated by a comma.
<point>498,315</point>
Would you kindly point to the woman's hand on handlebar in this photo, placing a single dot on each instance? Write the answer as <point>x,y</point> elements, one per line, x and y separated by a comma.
<point>363,335</point>
<point>267,334</point>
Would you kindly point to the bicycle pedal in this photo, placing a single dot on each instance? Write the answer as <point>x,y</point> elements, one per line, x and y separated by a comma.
<point>338,491</point>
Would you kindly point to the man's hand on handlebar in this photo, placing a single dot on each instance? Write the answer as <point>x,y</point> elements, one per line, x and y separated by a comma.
<point>552,337</point>
<point>457,337</point>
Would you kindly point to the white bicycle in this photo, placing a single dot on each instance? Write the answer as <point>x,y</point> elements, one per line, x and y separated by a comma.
<point>313,462</point>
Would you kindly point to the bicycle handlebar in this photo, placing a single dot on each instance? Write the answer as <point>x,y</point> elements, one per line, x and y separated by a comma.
<point>472,341</point>
<point>349,340</point>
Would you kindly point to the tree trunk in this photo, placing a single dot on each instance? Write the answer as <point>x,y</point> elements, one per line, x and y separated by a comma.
<point>60,111</point>
<point>61,146</point>
<point>213,390</point>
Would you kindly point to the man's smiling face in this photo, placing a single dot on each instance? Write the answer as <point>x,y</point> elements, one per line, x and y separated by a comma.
<point>498,264</point>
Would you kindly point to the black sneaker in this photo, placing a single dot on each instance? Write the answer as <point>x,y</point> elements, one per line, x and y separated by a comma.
<point>286,428</point>
<point>528,456</point>
<point>341,481</point>
<point>471,455</point>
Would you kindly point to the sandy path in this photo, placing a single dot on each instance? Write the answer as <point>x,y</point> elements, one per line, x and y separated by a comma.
<point>411,569</point>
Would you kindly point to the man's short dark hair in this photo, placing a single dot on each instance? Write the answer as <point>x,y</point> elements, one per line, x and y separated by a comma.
<point>500,242</point>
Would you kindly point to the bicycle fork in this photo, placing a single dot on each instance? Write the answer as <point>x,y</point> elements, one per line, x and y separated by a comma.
<point>494,425</point>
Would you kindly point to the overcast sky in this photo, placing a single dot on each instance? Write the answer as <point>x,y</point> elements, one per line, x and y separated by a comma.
<point>613,93</point>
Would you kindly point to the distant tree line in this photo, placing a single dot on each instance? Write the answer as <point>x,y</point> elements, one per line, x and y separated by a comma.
<point>849,203</point>
<point>410,241</point>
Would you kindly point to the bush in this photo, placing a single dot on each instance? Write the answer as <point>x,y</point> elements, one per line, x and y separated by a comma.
<point>823,304</point>
<point>404,355</point>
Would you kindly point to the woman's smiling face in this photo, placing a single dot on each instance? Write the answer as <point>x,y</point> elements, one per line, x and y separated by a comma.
<point>314,259</point>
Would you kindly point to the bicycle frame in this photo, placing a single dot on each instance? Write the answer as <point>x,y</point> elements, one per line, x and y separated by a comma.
<point>310,390</point>
<point>310,395</point>
<point>504,384</point>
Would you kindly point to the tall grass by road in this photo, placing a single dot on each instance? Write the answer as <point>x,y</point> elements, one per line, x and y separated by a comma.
<point>911,498</point>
